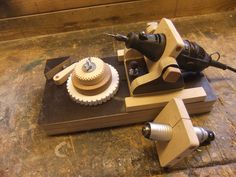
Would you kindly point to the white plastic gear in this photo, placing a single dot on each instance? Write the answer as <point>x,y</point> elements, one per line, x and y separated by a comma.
<point>89,76</point>
<point>100,98</point>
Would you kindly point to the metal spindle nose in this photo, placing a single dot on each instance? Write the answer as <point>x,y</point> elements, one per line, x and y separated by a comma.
<point>157,132</point>
<point>146,130</point>
<point>211,135</point>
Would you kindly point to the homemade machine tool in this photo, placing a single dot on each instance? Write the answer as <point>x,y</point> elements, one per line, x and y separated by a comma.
<point>157,72</point>
<point>138,84</point>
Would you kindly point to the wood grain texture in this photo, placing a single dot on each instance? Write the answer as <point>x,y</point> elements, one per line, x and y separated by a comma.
<point>203,7</point>
<point>103,15</point>
<point>227,170</point>
<point>191,95</point>
<point>14,8</point>
<point>76,19</point>
<point>26,150</point>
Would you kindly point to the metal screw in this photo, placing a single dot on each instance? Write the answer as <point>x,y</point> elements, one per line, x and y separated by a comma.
<point>88,66</point>
<point>133,72</point>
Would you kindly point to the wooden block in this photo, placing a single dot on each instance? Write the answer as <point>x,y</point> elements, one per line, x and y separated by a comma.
<point>131,54</point>
<point>148,102</point>
<point>172,113</point>
<point>195,109</point>
<point>184,139</point>
<point>171,74</point>
<point>120,54</point>
<point>151,27</point>
<point>128,54</point>
<point>62,62</point>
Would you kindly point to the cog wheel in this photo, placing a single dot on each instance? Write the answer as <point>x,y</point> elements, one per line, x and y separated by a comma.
<point>98,93</point>
<point>89,70</point>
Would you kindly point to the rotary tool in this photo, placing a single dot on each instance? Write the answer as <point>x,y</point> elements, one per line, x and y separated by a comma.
<point>192,58</point>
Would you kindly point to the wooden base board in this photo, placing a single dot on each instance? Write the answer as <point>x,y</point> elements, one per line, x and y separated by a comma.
<point>59,114</point>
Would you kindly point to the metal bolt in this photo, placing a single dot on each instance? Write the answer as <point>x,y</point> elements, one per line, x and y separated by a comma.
<point>133,72</point>
<point>134,68</point>
<point>88,66</point>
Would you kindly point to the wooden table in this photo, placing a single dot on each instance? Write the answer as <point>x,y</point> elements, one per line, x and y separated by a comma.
<point>27,151</point>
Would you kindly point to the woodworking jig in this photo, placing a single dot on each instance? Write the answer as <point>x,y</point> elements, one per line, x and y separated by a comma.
<point>174,135</point>
<point>155,67</point>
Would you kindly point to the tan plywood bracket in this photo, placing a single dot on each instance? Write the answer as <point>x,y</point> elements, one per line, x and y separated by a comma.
<point>171,74</point>
<point>120,54</point>
<point>184,139</point>
<point>128,54</point>
<point>191,95</point>
<point>49,74</point>
<point>151,27</point>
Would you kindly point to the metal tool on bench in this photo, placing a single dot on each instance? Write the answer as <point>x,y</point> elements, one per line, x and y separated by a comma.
<point>174,135</point>
<point>165,53</point>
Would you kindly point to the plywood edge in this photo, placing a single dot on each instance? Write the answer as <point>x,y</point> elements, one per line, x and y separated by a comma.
<point>148,102</point>
<point>113,120</point>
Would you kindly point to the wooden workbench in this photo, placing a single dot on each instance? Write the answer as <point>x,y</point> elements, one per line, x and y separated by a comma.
<point>26,150</point>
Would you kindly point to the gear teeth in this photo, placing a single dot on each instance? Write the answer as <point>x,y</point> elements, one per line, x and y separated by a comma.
<point>100,69</point>
<point>95,99</point>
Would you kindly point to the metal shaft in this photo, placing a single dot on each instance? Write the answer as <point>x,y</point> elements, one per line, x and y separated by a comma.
<point>163,132</point>
<point>118,37</point>
<point>159,132</point>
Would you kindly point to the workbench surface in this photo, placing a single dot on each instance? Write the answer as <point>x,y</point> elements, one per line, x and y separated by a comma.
<point>26,150</point>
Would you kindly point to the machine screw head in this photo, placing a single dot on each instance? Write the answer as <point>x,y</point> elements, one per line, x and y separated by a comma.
<point>88,66</point>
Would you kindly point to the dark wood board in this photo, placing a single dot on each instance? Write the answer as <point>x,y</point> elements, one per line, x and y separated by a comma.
<point>62,115</point>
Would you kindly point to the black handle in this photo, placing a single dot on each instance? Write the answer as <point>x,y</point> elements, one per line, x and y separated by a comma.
<point>150,45</point>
